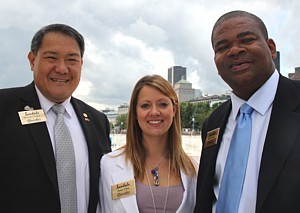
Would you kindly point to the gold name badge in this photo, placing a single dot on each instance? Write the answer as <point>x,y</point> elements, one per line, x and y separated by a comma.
<point>123,189</point>
<point>212,138</point>
<point>32,116</point>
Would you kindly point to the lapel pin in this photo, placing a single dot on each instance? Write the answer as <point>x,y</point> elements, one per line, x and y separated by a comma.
<point>86,117</point>
<point>27,108</point>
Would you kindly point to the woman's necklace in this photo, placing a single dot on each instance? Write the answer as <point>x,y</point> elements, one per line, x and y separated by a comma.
<point>167,193</point>
<point>154,171</point>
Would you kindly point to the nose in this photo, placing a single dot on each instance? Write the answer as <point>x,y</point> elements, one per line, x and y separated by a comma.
<point>236,50</point>
<point>154,110</point>
<point>61,67</point>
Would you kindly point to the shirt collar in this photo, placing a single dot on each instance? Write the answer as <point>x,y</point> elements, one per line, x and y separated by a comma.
<point>46,104</point>
<point>261,100</point>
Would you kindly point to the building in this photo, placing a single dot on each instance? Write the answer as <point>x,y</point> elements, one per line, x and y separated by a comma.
<point>111,115</point>
<point>211,100</point>
<point>175,73</point>
<point>277,61</point>
<point>198,93</point>
<point>184,90</point>
<point>123,109</point>
<point>295,75</point>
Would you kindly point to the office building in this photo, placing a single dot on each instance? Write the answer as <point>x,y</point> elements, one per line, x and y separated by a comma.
<point>111,115</point>
<point>175,74</point>
<point>123,109</point>
<point>296,74</point>
<point>277,61</point>
<point>211,100</point>
<point>184,90</point>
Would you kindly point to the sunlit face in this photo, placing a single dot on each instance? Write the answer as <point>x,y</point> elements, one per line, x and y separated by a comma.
<point>243,56</point>
<point>154,111</point>
<point>56,66</point>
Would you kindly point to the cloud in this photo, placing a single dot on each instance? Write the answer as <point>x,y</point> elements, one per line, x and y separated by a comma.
<point>128,39</point>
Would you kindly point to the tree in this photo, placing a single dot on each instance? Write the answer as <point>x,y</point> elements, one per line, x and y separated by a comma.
<point>121,121</point>
<point>198,111</point>
<point>186,114</point>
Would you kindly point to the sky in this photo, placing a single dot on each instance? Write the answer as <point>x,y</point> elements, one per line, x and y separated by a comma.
<point>127,39</point>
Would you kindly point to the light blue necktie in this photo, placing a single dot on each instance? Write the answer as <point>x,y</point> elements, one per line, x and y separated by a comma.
<point>236,163</point>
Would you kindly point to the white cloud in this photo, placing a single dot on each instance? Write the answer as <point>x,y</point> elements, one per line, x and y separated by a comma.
<point>128,39</point>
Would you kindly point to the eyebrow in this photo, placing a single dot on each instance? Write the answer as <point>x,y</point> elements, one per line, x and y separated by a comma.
<point>243,34</point>
<point>148,101</point>
<point>55,53</point>
<point>49,52</point>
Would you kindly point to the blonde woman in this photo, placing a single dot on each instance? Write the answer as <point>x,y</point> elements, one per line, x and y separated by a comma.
<point>151,173</point>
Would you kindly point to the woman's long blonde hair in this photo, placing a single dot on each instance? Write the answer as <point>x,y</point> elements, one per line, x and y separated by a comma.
<point>134,150</point>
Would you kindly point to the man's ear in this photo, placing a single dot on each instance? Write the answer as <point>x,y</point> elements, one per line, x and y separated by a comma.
<point>272,47</point>
<point>31,58</point>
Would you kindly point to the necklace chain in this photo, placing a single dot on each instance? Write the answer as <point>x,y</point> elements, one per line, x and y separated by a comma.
<point>167,193</point>
<point>154,171</point>
<point>161,160</point>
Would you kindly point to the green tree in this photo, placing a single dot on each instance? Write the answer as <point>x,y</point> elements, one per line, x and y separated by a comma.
<point>198,111</point>
<point>121,121</point>
<point>199,114</point>
<point>186,114</point>
<point>111,125</point>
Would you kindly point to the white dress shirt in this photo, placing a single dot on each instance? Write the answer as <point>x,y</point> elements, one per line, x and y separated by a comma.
<point>79,143</point>
<point>262,102</point>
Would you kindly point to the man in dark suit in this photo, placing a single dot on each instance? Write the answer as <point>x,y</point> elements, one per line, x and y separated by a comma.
<point>244,58</point>
<point>28,179</point>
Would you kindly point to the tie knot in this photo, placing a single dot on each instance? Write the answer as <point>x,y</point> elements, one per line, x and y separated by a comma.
<point>245,108</point>
<point>58,109</point>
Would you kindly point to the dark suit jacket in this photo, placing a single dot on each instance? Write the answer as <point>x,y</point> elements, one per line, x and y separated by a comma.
<point>279,176</point>
<point>28,181</point>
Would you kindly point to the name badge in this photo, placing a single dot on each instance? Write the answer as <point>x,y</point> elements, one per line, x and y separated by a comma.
<point>32,116</point>
<point>211,138</point>
<point>123,189</point>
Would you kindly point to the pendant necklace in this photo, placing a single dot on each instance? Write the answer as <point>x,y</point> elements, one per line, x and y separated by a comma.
<point>154,171</point>
<point>167,193</point>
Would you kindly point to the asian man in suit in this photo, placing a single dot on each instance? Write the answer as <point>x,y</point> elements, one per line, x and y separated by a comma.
<point>29,177</point>
<point>244,58</point>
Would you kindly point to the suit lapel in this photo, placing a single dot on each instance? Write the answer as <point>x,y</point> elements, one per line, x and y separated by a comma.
<point>40,135</point>
<point>187,186</point>
<point>125,173</point>
<point>205,194</point>
<point>87,126</point>
<point>280,138</point>
<point>210,153</point>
